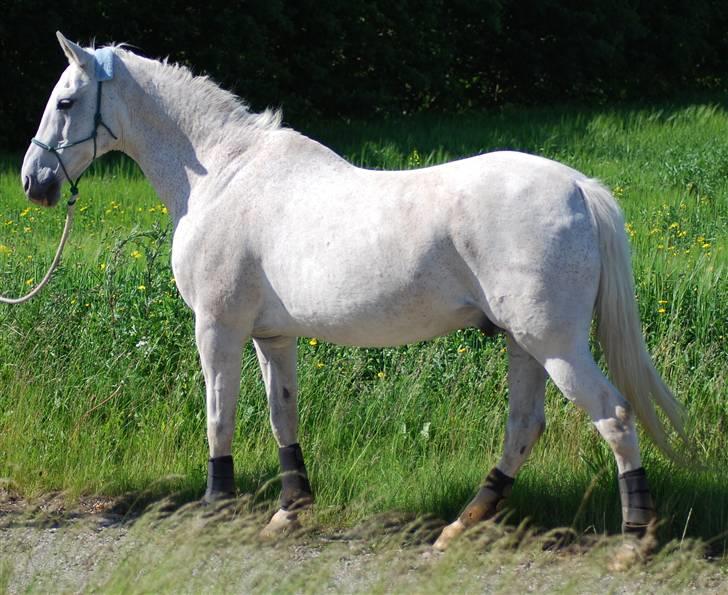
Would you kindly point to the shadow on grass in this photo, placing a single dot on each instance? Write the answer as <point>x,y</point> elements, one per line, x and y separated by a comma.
<point>687,508</point>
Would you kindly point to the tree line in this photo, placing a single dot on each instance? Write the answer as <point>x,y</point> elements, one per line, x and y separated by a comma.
<point>343,58</point>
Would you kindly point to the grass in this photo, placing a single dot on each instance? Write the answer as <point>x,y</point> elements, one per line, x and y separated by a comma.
<point>101,392</point>
<point>188,550</point>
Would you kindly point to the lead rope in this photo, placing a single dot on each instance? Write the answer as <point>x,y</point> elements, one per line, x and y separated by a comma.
<point>56,258</point>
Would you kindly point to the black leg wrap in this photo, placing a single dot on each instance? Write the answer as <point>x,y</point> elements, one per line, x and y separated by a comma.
<point>638,510</point>
<point>296,491</point>
<point>220,479</point>
<point>499,482</point>
<point>496,488</point>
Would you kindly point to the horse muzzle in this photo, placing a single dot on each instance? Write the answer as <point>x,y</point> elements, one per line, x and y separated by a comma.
<point>43,190</point>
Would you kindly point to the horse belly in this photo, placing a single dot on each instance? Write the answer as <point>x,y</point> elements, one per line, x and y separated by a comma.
<point>372,312</point>
<point>395,327</point>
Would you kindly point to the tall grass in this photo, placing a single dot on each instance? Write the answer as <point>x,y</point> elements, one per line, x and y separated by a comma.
<point>100,388</point>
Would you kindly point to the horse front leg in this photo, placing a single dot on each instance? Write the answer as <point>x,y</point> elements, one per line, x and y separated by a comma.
<point>220,346</point>
<point>277,358</point>
<point>526,422</point>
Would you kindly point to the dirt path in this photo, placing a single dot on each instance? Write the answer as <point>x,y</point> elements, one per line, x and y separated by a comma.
<point>45,547</point>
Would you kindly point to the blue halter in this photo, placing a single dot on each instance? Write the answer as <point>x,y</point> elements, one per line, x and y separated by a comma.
<point>104,71</point>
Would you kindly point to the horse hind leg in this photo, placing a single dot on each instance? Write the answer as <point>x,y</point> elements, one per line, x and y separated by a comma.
<point>526,422</point>
<point>578,377</point>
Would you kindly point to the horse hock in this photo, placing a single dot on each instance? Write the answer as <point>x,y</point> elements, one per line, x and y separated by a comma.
<point>489,500</point>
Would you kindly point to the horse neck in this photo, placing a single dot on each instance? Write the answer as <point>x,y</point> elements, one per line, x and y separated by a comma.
<point>166,133</point>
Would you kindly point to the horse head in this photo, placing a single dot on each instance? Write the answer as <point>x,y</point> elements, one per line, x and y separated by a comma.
<point>72,131</point>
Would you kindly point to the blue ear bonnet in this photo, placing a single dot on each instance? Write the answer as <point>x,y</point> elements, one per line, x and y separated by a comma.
<point>104,64</point>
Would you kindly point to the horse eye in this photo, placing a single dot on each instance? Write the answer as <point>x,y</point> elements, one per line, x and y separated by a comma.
<point>64,104</point>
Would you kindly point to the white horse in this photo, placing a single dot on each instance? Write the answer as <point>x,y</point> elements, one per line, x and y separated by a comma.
<point>506,242</point>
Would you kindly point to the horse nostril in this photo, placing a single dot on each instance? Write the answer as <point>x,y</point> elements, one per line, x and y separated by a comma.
<point>26,183</point>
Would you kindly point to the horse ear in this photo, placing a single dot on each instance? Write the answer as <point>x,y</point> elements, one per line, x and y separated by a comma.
<point>75,53</point>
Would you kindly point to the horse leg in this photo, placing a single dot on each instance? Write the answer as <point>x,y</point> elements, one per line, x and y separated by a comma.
<point>577,376</point>
<point>277,358</point>
<point>220,346</point>
<point>526,422</point>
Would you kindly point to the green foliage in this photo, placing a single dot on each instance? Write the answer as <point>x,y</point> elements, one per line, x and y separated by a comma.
<point>356,59</point>
<point>100,389</point>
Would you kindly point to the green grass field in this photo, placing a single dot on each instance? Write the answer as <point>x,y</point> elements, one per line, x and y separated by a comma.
<point>101,392</point>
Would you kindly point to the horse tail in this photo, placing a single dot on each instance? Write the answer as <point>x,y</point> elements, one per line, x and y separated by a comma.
<point>619,328</point>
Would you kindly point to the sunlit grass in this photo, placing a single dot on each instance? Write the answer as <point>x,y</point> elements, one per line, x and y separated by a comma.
<point>100,388</point>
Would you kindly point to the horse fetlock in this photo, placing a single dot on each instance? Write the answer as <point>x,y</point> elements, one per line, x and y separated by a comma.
<point>220,479</point>
<point>490,499</point>
<point>295,488</point>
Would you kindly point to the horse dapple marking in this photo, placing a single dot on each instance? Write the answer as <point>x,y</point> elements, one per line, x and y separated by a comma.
<point>504,241</point>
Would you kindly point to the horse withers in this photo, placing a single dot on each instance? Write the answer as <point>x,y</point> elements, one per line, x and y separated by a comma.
<point>505,241</point>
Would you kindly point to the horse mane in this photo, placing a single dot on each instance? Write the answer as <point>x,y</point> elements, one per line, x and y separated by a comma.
<point>201,90</point>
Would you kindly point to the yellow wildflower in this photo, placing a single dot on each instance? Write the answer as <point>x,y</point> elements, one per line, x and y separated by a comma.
<point>142,287</point>
<point>4,249</point>
<point>102,266</point>
<point>313,342</point>
<point>462,349</point>
<point>136,254</point>
<point>381,375</point>
<point>706,245</point>
<point>29,282</point>
<point>662,302</point>
<point>24,212</point>
<point>27,229</point>
<point>661,310</point>
<point>320,365</point>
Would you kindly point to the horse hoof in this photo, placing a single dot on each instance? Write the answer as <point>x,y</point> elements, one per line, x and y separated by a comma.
<point>633,552</point>
<point>214,496</point>
<point>284,522</point>
<point>625,558</point>
<point>452,531</point>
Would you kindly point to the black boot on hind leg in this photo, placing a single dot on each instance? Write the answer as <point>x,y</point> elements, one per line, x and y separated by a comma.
<point>638,510</point>
<point>220,480</point>
<point>638,521</point>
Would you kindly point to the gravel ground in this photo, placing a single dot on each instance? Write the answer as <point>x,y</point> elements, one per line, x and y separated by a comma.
<point>95,547</point>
